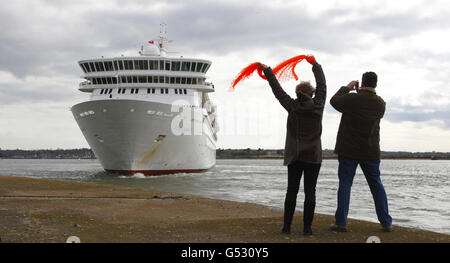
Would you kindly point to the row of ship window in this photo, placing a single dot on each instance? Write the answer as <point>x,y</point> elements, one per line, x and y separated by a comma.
<point>141,64</point>
<point>147,79</point>
<point>149,91</point>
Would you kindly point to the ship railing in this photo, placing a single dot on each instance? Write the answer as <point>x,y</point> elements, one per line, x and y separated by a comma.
<point>84,83</point>
<point>87,86</point>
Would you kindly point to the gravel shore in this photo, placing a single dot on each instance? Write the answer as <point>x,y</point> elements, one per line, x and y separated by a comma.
<point>40,210</point>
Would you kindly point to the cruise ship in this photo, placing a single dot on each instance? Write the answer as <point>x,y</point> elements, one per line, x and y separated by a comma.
<point>149,113</point>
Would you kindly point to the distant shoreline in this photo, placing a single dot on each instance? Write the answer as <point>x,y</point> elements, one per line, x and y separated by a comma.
<point>330,158</point>
<point>85,153</point>
<point>240,158</point>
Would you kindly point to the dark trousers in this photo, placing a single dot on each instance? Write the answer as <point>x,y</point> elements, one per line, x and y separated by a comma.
<point>295,171</point>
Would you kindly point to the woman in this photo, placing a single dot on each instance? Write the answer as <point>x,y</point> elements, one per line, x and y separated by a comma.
<point>303,148</point>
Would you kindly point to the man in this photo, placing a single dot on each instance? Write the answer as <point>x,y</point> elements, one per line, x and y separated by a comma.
<point>358,142</point>
<point>303,149</point>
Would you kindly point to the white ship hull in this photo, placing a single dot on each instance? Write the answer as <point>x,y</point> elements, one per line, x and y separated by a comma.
<point>133,136</point>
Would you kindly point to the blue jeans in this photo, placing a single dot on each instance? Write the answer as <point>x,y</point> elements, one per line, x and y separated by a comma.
<point>346,173</point>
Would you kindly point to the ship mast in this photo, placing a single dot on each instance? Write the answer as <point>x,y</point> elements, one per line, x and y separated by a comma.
<point>163,39</point>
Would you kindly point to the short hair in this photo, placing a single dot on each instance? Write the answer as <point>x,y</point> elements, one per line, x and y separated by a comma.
<point>369,79</point>
<point>305,87</point>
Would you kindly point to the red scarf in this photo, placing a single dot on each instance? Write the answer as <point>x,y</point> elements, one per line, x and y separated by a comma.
<point>283,71</point>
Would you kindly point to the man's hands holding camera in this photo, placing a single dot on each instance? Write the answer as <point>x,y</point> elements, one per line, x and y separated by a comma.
<point>353,85</point>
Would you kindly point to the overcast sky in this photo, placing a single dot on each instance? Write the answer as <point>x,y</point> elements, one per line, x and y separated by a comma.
<point>405,42</point>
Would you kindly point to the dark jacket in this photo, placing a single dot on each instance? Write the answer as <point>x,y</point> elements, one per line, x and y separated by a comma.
<point>359,131</point>
<point>304,123</point>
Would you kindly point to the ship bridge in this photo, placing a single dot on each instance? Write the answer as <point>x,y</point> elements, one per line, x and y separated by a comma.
<point>150,76</point>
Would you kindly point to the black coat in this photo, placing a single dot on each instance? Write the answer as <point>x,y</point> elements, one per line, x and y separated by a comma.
<point>304,123</point>
<point>359,131</point>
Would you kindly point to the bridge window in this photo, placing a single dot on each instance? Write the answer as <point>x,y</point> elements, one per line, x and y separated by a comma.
<point>199,67</point>
<point>128,64</point>
<point>167,65</point>
<point>99,66</point>
<point>85,69</point>
<point>175,65</point>
<point>205,65</point>
<point>185,66</point>
<point>120,62</point>
<point>193,66</point>
<point>141,65</point>
<point>153,64</point>
<point>109,66</point>
<point>91,65</point>
<point>144,64</point>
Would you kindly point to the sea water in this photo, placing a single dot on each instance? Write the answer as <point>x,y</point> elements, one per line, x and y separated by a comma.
<point>418,190</point>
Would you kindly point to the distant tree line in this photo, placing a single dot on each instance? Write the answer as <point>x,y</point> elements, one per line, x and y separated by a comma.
<point>85,153</point>
<point>327,154</point>
<point>82,153</point>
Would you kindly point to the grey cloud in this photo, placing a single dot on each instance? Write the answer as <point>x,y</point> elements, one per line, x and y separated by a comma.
<point>428,110</point>
<point>51,46</point>
<point>210,27</point>
<point>36,92</point>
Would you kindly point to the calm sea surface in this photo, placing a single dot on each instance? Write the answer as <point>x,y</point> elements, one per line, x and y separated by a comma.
<point>418,190</point>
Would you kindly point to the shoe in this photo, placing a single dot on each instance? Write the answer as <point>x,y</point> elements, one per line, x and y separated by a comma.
<point>285,231</point>
<point>307,232</point>
<point>387,229</point>
<point>338,228</point>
